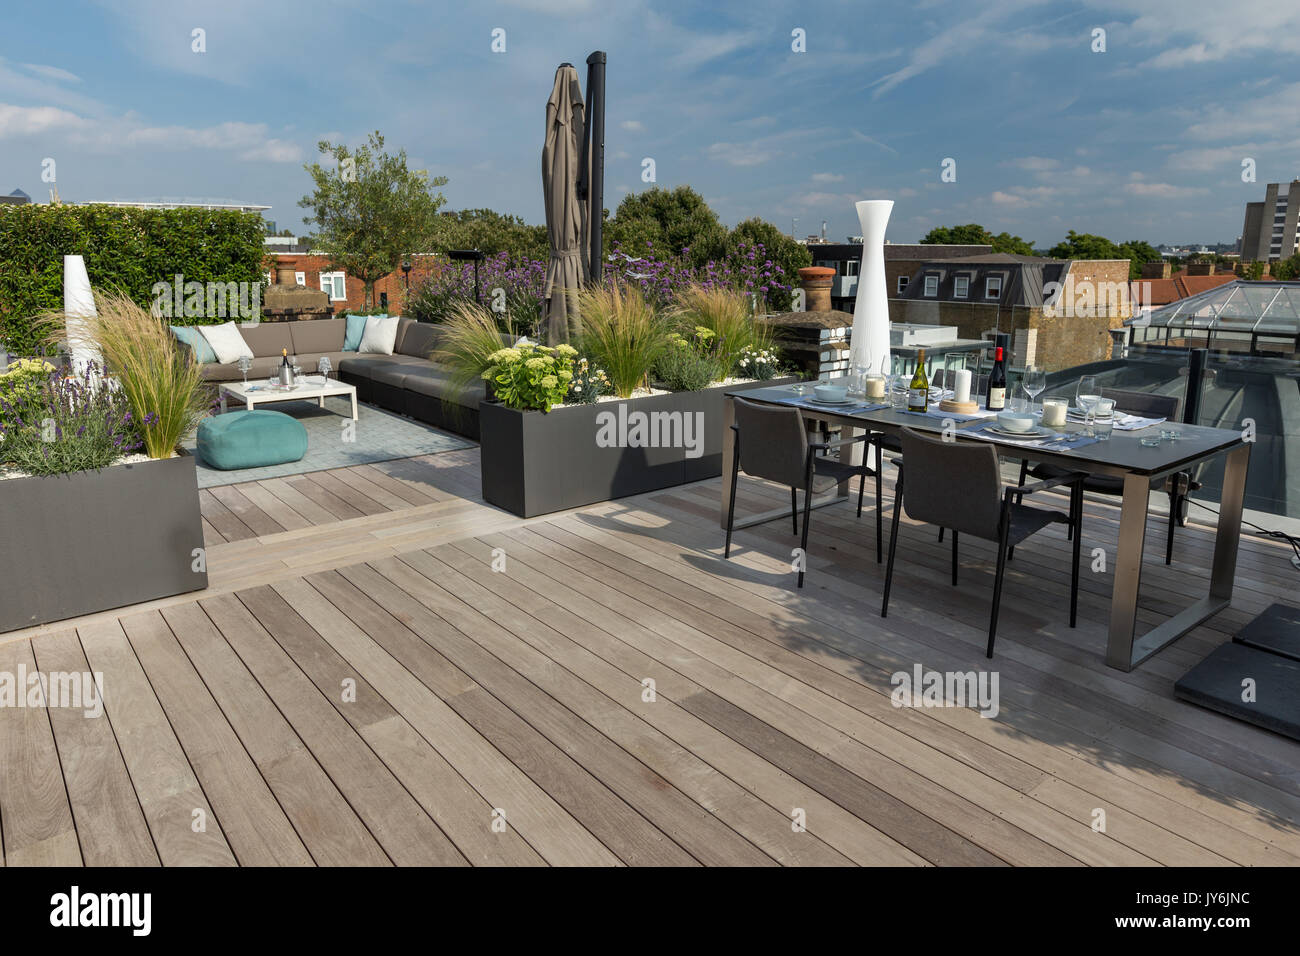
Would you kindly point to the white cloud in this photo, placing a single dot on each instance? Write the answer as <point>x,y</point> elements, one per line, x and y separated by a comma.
<point>1163,190</point>
<point>1033,164</point>
<point>52,73</point>
<point>18,121</point>
<point>1007,199</point>
<point>827,178</point>
<point>737,154</point>
<point>634,126</point>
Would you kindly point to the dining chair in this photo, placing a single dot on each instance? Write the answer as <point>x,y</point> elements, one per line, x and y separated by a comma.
<point>958,486</point>
<point>771,442</point>
<point>1176,486</point>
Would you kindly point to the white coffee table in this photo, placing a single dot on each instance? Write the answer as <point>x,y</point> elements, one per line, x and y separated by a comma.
<point>310,387</point>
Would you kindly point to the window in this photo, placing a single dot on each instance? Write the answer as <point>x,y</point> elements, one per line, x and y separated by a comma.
<point>300,278</point>
<point>961,287</point>
<point>931,286</point>
<point>902,284</point>
<point>334,284</point>
<point>993,287</point>
<point>851,267</point>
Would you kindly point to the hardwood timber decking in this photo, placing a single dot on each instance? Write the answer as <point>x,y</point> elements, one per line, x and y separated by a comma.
<point>385,670</point>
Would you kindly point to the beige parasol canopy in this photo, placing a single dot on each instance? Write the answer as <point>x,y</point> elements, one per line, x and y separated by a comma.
<point>565,213</point>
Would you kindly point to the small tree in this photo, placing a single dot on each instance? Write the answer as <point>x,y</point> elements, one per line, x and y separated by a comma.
<point>371,210</point>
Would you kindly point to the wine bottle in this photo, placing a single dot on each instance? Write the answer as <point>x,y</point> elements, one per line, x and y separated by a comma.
<point>286,370</point>
<point>997,396</point>
<point>918,392</point>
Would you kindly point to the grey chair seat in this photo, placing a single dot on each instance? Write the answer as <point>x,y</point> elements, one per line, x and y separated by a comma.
<point>1101,484</point>
<point>958,486</point>
<point>771,442</point>
<point>1027,520</point>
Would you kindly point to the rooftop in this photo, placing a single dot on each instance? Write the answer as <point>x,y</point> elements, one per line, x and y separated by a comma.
<point>524,691</point>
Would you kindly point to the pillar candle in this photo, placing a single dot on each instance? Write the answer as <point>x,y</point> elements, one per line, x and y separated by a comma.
<point>961,387</point>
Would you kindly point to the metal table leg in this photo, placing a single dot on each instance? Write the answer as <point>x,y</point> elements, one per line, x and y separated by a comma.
<point>1125,651</point>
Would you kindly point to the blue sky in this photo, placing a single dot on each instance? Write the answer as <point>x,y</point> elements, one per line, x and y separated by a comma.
<point>1145,140</point>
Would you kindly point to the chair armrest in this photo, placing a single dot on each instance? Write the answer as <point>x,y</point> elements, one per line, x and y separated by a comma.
<point>1070,478</point>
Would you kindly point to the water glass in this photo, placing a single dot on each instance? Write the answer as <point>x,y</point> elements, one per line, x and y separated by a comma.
<point>1170,434</point>
<point>1104,420</point>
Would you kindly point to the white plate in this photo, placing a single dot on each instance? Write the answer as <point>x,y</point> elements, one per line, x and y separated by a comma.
<point>823,401</point>
<point>1036,432</point>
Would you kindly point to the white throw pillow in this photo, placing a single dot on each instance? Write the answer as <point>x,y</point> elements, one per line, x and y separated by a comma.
<point>226,342</point>
<point>380,335</point>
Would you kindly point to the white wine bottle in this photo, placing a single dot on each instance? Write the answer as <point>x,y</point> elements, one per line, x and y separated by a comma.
<point>918,393</point>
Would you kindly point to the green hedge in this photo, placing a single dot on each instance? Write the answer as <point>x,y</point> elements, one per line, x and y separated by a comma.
<point>130,249</point>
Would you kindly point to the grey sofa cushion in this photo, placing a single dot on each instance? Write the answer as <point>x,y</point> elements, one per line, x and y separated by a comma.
<point>435,381</point>
<point>318,336</point>
<point>268,338</point>
<point>419,339</point>
<point>261,368</point>
<point>368,366</point>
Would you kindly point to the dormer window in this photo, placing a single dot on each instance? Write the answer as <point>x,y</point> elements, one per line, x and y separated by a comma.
<point>931,286</point>
<point>993,287</point>
<point>961,287</point>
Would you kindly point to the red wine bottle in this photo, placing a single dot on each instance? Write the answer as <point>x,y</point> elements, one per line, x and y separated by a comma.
<point>997,394</point>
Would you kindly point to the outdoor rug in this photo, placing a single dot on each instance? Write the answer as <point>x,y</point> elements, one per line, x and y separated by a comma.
<point>379,436</point>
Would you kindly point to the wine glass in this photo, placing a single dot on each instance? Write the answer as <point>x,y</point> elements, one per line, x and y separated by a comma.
<point>324,366</point>
<point>245,363</point>
<point>1034,382</point>
<point>1086,395</point>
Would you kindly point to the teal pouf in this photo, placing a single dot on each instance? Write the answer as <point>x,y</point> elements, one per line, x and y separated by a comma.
<point>251,440</point>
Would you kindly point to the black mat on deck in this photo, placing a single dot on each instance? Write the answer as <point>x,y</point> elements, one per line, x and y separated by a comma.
<point>1276,630</point>
<point>1216,683</point>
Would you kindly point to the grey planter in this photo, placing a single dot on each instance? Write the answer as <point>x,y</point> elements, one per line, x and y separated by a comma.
<point>95,540</point>
<point>534,463</point>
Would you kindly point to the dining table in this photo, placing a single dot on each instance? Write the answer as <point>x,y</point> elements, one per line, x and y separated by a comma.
<point>1124,456</point>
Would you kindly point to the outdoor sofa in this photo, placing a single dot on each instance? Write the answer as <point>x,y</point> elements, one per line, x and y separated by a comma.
<point>406,382</point>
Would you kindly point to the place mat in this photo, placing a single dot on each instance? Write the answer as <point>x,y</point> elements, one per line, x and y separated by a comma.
<point>935,412</point>
<point>1076,439</point>
<point>1123,422</point>
<point>851,408</point>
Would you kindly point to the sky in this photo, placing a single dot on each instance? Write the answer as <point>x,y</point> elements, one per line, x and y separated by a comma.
<point>1127,118</point>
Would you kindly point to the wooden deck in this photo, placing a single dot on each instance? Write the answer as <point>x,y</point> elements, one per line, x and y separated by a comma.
<point>359,686</point>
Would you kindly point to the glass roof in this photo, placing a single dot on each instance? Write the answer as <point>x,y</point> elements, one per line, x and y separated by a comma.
<point>1238,306</point>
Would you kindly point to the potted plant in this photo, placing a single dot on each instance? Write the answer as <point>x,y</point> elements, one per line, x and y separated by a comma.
<point>93,482</point>
<point>538,458</point>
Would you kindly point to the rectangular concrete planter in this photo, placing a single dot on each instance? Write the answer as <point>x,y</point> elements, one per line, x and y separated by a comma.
<point>535,463</point>
<point>95,540</point>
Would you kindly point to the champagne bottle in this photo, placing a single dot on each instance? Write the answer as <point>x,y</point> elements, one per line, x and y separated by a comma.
<point>918,392</point>
<point>286,370</point>
<point>997,396</point>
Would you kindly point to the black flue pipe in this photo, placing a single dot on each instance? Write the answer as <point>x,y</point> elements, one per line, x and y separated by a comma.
<point>595,155</point>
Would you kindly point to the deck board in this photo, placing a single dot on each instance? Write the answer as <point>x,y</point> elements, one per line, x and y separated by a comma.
<point>503,717</point>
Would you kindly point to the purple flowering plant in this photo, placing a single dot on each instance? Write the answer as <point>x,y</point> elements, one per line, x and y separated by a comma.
<point>74,422</point>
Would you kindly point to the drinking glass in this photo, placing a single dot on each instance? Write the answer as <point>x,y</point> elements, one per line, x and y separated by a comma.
<point>1034,382</point>
<point>1087,395</point>
<point>1105,419</point>
<point>245,363</point>
<point>858,379</point>
<point>324,366</point>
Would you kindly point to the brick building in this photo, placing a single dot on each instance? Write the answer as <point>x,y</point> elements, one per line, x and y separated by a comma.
<point>901,262</point>
<point>1160,285</point>
<point>346,292</point>
<point>1058,311</point>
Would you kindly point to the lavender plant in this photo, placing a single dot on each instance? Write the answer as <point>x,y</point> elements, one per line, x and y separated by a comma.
<point>74,423</point>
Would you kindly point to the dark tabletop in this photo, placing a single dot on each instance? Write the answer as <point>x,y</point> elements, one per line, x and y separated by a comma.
<point>1124,451</point>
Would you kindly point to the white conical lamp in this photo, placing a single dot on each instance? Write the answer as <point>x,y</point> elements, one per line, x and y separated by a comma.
<point>79,304</point>
<point>871,308</point>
